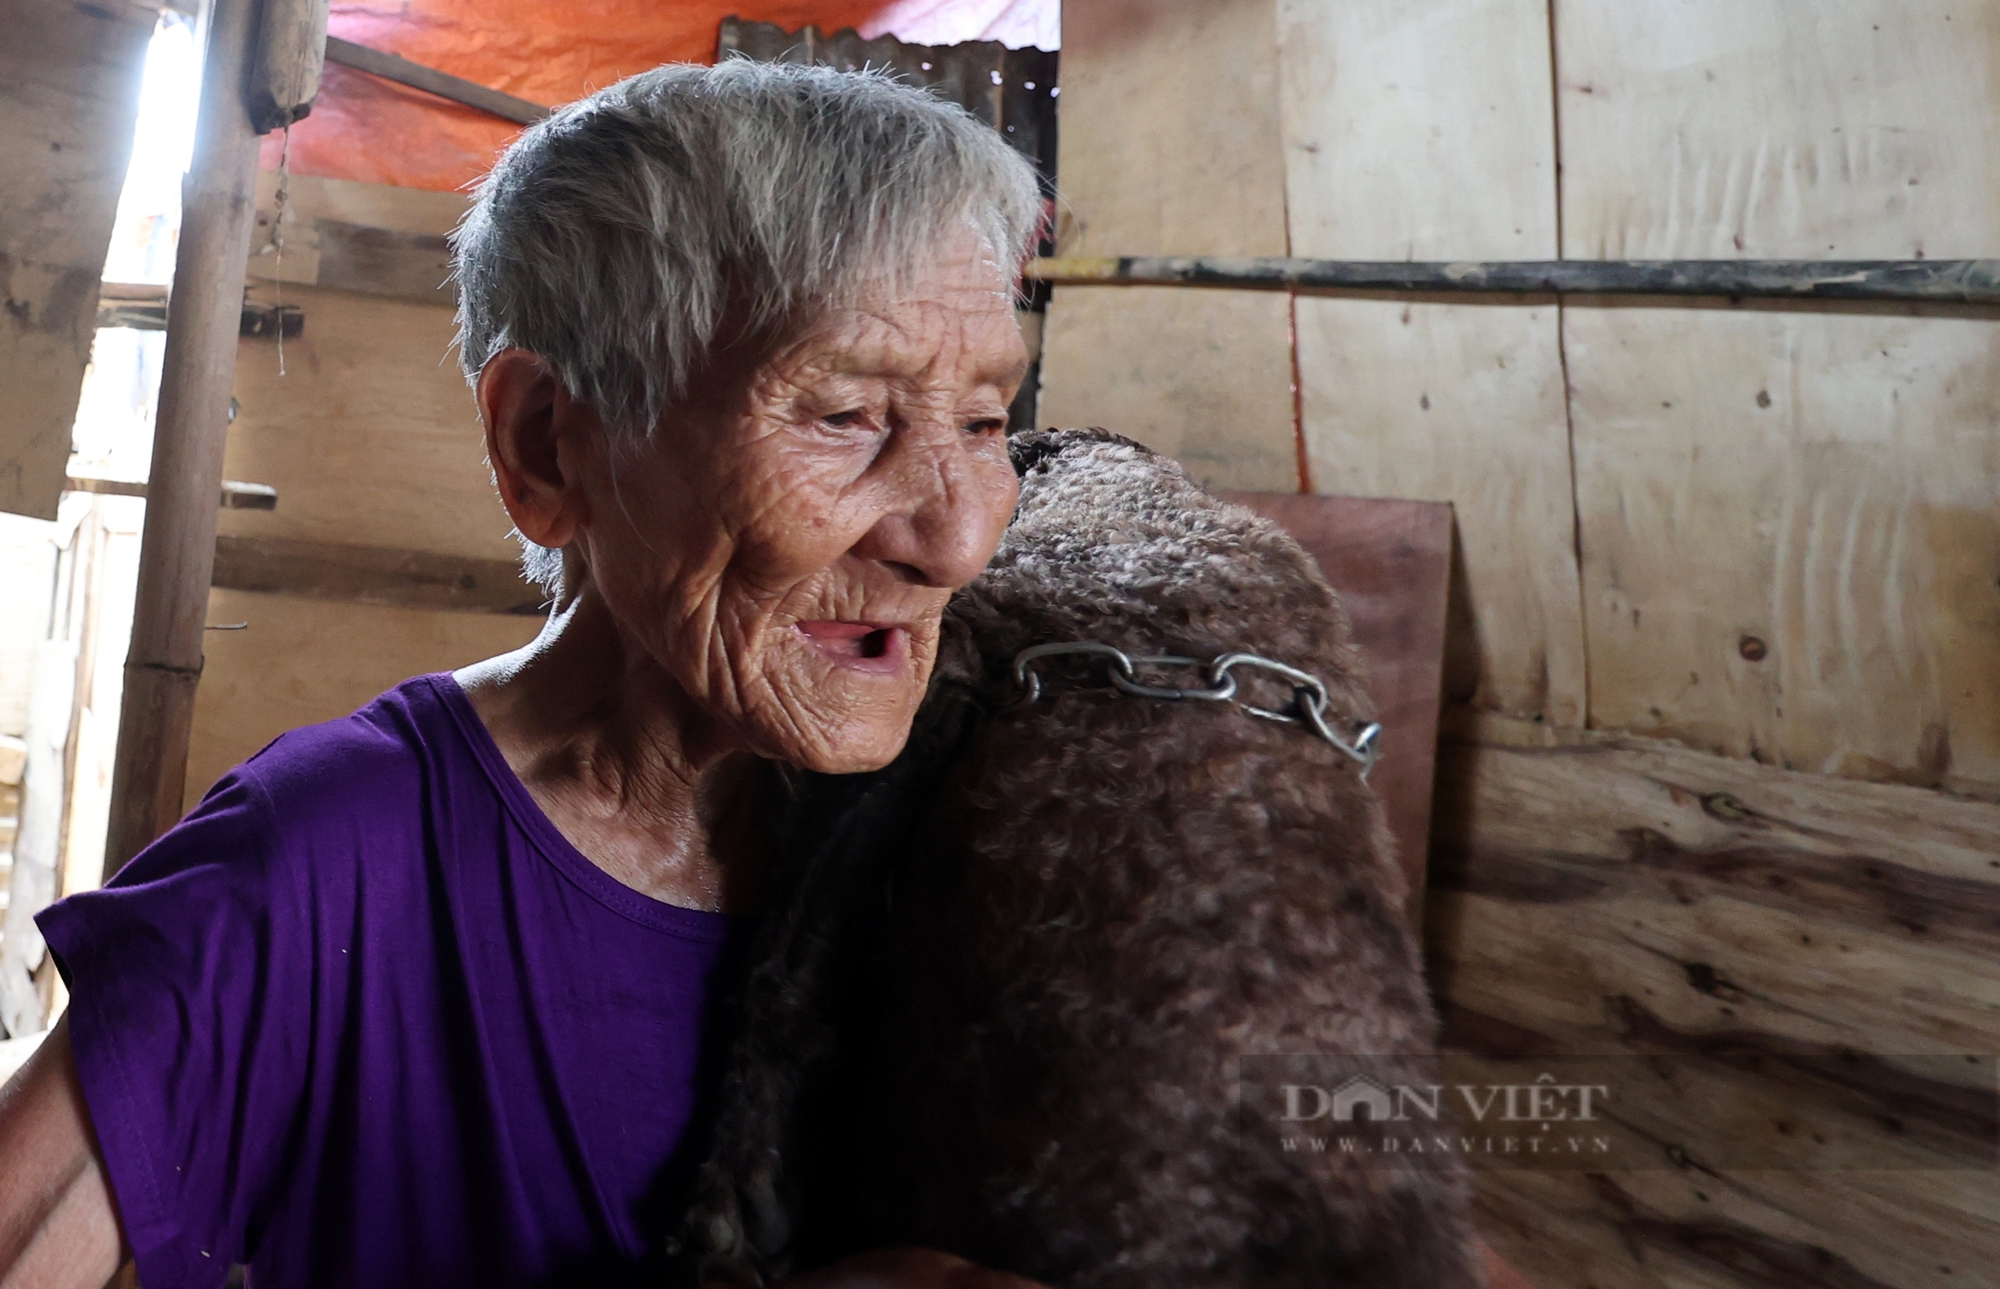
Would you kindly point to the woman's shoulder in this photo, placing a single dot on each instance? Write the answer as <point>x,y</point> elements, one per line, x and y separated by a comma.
<point>387,739</point>
<point>369,773</point>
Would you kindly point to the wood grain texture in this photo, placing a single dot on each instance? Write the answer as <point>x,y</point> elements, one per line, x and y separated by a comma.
<point>1165,109</point>
<point>1622,895</point>
<point>376,575</point>
<point>1790,520</point>
<point>1423,131</point>
<point>1791,531</point>
<point>301,661</point>
<point>1203,376</point>
<point>347,205</point>
<point>1390,561</point>
<point>1859,129</point>
<point>370,436</point>
<point>69,92</point>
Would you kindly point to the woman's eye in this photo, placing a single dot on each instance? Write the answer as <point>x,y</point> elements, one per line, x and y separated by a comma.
<point>842,420</point>
<point>987,425</point>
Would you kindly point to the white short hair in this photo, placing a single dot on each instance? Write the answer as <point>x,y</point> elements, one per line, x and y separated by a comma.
<point>612,238</point>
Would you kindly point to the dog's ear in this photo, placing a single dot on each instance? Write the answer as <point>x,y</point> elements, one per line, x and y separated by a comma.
<point>1032,448</point>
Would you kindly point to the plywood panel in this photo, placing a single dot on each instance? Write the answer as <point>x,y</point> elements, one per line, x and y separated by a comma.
<point>1418,129</point>
<point>1169,145</point>
<point>1834,129</point>
<point>69,92</point>
<point>1203,376</point>
<point>370,435</point>
<point>1423,131</point>
<point>286,245</point>
<point>1790,519</point>
<point>1620,895</point>
<point>1390,561</point>
<point>1791,534</point>
<point>299,662</point>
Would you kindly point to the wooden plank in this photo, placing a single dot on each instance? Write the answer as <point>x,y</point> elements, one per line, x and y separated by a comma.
<point>1203,377</point>
<point>1919,281</point>
<point>69,91</point>
<point>370,436</point>
<point>1164,106</point>
<point>381,261</point>
<point>301,661</point>
<point>1791,526</point>
<point>1619,895</point>
<point>392,67</point>
<point>1423,131</point>
<point>1789,521</point>
<point>375,575</point>
<point>1772,128</point>
<point>313,202</point>
<point>1391,563</point>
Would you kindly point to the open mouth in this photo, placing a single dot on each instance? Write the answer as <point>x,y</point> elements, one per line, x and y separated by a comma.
<point>863,646</point>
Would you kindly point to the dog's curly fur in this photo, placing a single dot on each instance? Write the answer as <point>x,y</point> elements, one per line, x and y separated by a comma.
<point>1001,1004</point>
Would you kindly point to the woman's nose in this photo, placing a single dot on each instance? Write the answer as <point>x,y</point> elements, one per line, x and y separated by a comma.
<point>949,503</point>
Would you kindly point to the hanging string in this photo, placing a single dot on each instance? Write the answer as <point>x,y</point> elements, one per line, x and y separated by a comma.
<point>278,236</point>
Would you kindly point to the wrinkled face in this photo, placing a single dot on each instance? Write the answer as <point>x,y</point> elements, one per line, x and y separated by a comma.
<point>785,551</point>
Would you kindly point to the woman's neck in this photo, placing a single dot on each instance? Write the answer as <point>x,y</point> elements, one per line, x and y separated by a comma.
<point>628,769</point>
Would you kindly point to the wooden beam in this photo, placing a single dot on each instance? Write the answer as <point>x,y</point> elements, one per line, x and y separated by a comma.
<point>375,575</point>
<point>142,306</point>
<point>1915,281</point>
<point>235,495</point>
<point>431,81</point>
<point>177,550</point>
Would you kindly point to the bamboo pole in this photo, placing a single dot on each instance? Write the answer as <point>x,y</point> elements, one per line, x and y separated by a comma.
<point>177,549</point>
<point>1912,281</point>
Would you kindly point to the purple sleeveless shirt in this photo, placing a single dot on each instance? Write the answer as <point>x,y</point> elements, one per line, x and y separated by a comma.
<point>365,1018</point>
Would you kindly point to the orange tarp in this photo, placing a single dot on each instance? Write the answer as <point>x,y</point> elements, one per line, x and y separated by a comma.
<point>546,51</point>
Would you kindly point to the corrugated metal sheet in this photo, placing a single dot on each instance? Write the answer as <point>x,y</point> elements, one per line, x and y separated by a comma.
<point>1012,90</point>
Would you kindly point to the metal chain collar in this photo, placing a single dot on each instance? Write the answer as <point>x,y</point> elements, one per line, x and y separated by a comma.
<point>1309,694</point>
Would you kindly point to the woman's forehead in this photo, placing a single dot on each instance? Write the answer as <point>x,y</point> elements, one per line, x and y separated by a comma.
<point>952,333</point>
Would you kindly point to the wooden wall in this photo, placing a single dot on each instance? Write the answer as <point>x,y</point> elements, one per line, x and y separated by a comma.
<point>371,438</point>
<point>69,92</point>
<point>1721,772</point>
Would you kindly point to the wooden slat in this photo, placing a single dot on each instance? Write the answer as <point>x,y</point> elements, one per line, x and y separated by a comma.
<point>400,231</point>
<point>1791,528</point>
<point>370,436</point>
<point>1423,132</point>
<point>1391,563</point>
<point>1165,108</point>
<point>69,92</point>
<point>300,661</point>
<point>1853,129</point>
<point>1790,521</point>
<point>457,89</point>
<point>375,575</point>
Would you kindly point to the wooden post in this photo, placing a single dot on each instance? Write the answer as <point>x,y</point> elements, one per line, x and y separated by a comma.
<point>177,550</point>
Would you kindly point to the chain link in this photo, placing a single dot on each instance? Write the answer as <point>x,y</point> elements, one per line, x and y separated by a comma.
<point>1309,692</point>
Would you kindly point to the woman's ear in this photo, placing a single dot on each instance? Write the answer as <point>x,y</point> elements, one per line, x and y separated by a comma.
<point>534,437</point>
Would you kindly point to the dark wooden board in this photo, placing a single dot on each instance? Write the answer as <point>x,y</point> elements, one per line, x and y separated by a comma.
<point>1391,563</point>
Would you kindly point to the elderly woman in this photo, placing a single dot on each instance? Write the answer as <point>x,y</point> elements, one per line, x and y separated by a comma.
<point>420,996</point>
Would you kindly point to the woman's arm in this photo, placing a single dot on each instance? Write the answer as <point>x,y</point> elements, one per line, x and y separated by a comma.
<point>58,1227</point>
